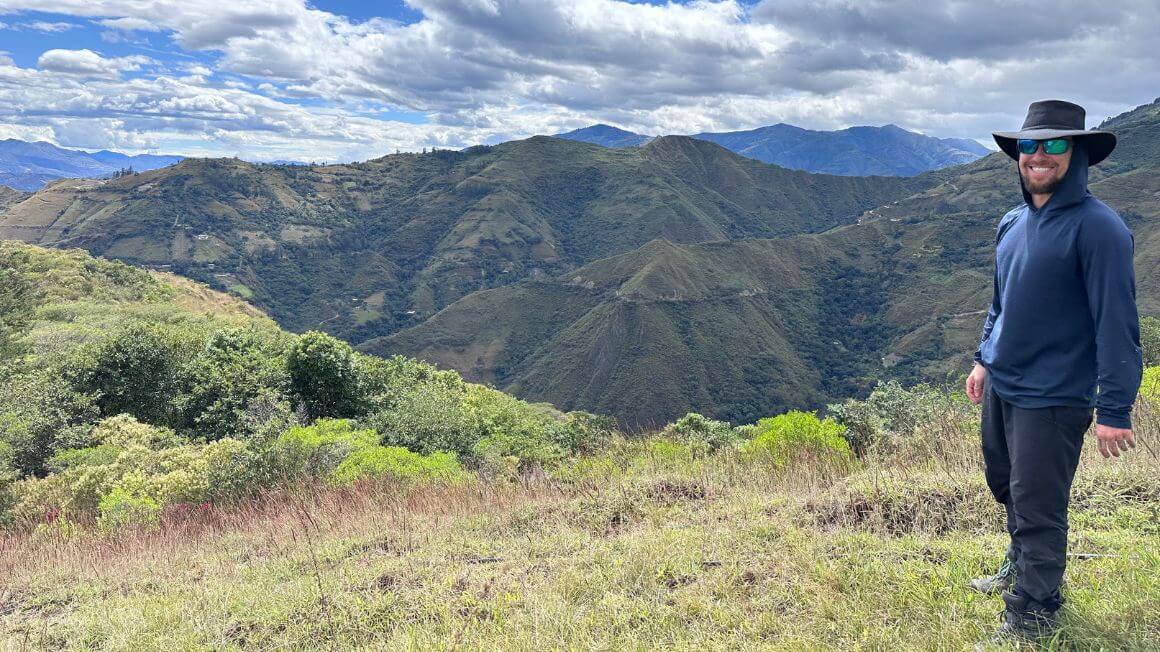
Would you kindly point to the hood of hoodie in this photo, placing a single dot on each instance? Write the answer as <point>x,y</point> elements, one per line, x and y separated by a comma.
<point>1072,189</point>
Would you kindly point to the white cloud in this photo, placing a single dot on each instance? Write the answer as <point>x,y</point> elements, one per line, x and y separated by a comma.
<point>129,24</point>
<point>45,26</point>
<point>484,70</point>
<point>87,63</point>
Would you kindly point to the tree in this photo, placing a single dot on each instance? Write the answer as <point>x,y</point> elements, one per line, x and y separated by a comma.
<point>139,370</point>
<point>324,376</point>
<point>233,369</point>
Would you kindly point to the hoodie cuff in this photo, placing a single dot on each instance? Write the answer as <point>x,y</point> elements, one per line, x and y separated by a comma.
<point>1116,419</point>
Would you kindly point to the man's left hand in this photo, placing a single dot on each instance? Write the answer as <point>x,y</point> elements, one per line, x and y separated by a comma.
<point>1113,440</point>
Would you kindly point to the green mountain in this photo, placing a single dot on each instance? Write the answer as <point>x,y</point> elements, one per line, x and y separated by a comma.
<point>367,249</point>
<point>641,282</point>
<point>739,329</point>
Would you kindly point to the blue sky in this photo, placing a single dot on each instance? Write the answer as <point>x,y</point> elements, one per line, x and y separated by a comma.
<point>347,80</point>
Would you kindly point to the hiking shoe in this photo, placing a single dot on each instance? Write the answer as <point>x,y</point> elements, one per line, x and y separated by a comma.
<point>1020,629</point>
<point>997,583</point>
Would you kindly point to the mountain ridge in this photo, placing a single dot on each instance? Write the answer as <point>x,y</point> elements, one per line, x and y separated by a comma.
<point>28,166</point>
<point>854,151</point>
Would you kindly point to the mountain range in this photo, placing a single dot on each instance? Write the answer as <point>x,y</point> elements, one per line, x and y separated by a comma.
<point>641,282</point>
<point>28,166</point>
<point>858,151</point>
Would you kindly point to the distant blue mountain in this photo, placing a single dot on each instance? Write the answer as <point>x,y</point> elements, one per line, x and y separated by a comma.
<point>857,151</point>
<point>606,135</point>
<point>860,151</point>
<point>28,166</point>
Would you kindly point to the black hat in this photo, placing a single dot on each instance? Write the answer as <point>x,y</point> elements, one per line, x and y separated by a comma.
<point>1056,119</point>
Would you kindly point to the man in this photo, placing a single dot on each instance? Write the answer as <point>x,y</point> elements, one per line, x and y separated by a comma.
<point>1062,322</point>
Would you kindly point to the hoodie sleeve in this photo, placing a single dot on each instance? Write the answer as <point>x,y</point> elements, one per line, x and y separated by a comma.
<point>1105,248</point>
<point>992,314</point>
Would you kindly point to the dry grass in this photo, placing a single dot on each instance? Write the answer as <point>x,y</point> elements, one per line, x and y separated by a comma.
<point>661,553</point>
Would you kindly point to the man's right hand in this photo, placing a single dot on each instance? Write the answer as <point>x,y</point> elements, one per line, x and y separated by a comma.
<point>975,383</point>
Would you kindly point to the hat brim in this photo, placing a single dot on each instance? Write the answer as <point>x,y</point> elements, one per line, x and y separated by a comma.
<point>1099,143</point>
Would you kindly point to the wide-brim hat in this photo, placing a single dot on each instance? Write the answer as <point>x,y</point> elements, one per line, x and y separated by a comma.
<point>1057,119</point>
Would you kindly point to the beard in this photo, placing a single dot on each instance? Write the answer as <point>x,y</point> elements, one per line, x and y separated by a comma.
<point>1046,187</point>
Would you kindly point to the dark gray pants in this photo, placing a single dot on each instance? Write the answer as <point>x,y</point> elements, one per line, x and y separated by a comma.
<point>1030,457</point>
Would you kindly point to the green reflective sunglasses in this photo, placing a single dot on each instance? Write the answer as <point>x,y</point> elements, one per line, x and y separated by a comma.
<point>1050,146</point>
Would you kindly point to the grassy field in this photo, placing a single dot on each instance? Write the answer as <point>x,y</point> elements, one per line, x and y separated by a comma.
<point>644,546</point>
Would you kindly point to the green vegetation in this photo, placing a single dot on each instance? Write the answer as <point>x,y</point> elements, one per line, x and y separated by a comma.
<point>164,406</point>
<point>641,283</point>
<point>646,543</point>
<point>395,505</point>
<point>742,329</point>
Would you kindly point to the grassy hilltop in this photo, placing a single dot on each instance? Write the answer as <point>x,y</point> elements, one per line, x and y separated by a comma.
<point>178,473</point>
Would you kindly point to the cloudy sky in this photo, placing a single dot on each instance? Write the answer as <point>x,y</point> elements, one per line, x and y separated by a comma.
<point>350,80</point>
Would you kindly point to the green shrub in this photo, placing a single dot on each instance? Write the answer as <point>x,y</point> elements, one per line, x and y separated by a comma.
<point>796,433</point>
<point>318,449</point>
<point>140,370</point>
<point>40,415</point>
<point>426,418</point>
<point>128,505</point>
<point>508,426</point>
<point>893,416</point>
<point>582,433</point>
<point>147,461</point>
<point>385,379</point>
<point>701,433</point>
<point>1150,384</point>
<point>233,369</point>
<point>324,376</point>
<point>664,455</point>
<point>398,463</point>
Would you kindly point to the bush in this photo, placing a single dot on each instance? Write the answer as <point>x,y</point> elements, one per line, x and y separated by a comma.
<point>139,370</point>
<point>324,376</point>
<point>701,433</point>
<point>317,450</point>
<point>233,369</point>
<point>1150,384</point>
<point>795,433</point>
<point>400,464</point>
<point>583,433</point>
<point>149,464</point>
<point>128,505</point>
<point>40,415</point>
<point>509,426</point>
<point>892,415</point>
<point>426,418</point>
<point>385,379</point>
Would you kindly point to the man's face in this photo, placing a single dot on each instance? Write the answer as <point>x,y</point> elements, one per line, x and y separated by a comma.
<point>1042,172</point>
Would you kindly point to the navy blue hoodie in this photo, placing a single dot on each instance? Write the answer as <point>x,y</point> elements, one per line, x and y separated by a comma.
<point>1063,315</point>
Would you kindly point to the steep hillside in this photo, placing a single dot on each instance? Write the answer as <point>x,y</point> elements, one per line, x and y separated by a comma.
<point>29,166</point>
<point>888,150</point>
<point>739,329</point>
<point>366,249</point>
<point>9,196</point>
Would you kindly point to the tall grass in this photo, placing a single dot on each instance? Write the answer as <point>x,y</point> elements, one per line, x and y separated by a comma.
<point>647,544</point>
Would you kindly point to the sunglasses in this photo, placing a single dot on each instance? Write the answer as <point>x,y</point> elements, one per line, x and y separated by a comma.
<point>1050,146</point>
